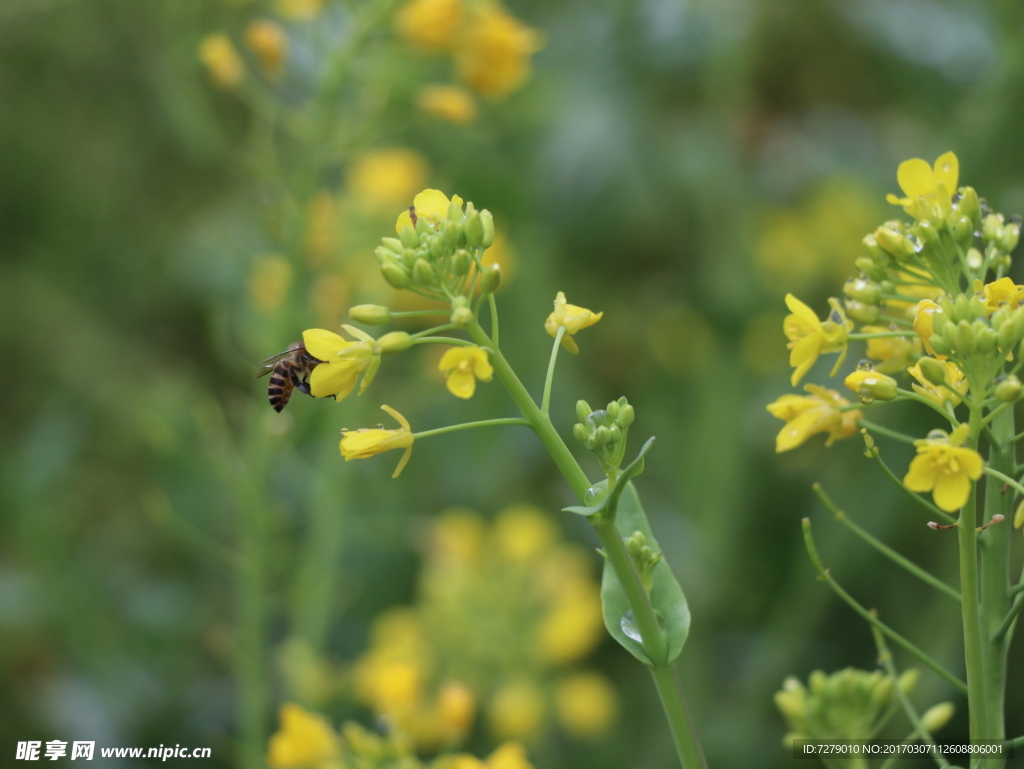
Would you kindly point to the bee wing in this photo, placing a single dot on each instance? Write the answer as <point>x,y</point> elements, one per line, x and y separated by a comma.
<point>265,367</point>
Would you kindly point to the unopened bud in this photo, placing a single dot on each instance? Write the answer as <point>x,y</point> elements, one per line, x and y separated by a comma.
<point>461,261</point>
<point>394,245</point>
<point>395,276</point>
<point>937,716</point>
<point>370,314</point>
<point>454,211</point>
<point>409,237</point>
<point>451,232</point>
<point>490,279</point>
<point>1009,389</point>
<point>613,409</point>
<point>984,337</point>
<point>436,247</point>
<point>396,341</point>
<point>862,290</point>
<point>423,273</point>
<point>383,255</point>
<point>625,416</point>
<point>582,410</point>
<point>963,230</point>
<point>1011,234</point>
<point>1018,516</point>
<point>965,340</point>
<point>992,228</point>
<point>474,230</point>
<point>875,252</point>
<point>927,233</point>
<point>872,386</point>
<point>488,222</point>
<point>462,317</point>
<point>869,267</point>
<point>580,432</point>
<point>932,370</point>
<point>423,227</point>
<point>635,543</point>
<point>970,206</point>
<point>908,680</point>
<point>861,312</point>
<point>603,436</point>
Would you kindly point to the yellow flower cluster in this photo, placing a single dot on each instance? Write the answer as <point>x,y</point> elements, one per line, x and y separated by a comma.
<point>306,740</point>
<point>490,47</point>
<point>429,668</point>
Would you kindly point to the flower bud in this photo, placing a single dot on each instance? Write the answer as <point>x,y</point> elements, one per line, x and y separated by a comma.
<point>423,228</point>
<point>961,308</point>
<point>454,211</point>
<point>436,247</point>
<point>985,338</point>
<point>963,230</point>
<point>965,340</point>
<point>626,416</point>
<point>895,243</point>
<point>394,245</point>
<point>992,228</point>
<point>908,680</point>
<point>370,314</point>
<point>635,543</point>
<point>582,410</point>
<point>872,386</point>
<point>926,231</point>
<point>1010,236</point>
<point>616,432</point>
<point>474,230</point>
<point>451,232</point>
<point>409,237</point>
<point>490,279</point>
<point>461,261</point>
<point>875,252</point>
<point>970,206</point>
<point>882,692</point>
<point>395,276</point>
<point>580,432</point>
<point>383,255</point>
<point>603,436</point>
<point>423,273</point>
<point>861,312</point>
<point>487,219</point>
<point>613,409</point>
<point>939,345</point>
<point>869,267</point>
<point>937,716</point>
<point>1009,389</point>
<point>462,317</point>
<point>396,341</point>
<point>932,370</point>
<point>862,290</point>
<point>974,259</point>
<point>1018,516</point>
<point>1006,335</point>
<point>409,257</point>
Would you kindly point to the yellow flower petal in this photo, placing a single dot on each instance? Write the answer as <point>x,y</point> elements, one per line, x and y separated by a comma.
<point>336,378</point>
<point>922,474</point>
<point>915,177</point>
<point>461,384</point>
<point>947,172</point>
<point>324,345</point>
<point>951,491</point>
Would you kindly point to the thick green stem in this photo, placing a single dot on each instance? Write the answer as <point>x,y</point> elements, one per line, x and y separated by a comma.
<point>974,654</point>
<point>665,679</point>
<point>995,573</point>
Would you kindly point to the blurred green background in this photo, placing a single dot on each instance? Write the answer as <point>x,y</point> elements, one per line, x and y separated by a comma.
<point>678,164</point>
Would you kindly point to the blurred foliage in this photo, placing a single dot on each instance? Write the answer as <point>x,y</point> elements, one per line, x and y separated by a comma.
<point>166,538</point>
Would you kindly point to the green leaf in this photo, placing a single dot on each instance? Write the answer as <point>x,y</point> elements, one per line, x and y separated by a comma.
<point>666,594</point>
<point>610,502</point>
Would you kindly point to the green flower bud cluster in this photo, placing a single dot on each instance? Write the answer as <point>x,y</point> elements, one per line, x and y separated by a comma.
<point>849,704</point>
<point>604,432</point>
<point>962,328</point>
<point>438,257</point>
<point>998,232</point>
<point>643,557</point>
<point>863,300</point>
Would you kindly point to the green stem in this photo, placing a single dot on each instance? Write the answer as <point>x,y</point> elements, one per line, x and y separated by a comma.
<point>669,688</point>
<point>973,651</point>
<point>882,334</point>
<point>417,313</point>
<point>940,514</point>
<point>432,331</point>
<point>1016,742</point>
<point>494,318</point>
<point>884,549</point>
<point>896,436</point>
<point>825,576</point>
<point>469,425</point>
<point>442,340</point>
<point>1004,626</point>
<point>911,395</point>
<point>991,471</point>
<point>545,403</point>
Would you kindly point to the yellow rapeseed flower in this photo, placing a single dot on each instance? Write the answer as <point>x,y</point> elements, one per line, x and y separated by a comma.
<point>573,318</point>
<point>807,415</point>
<point>523,532</point>
<point>456,708</point>
<point>517,711</point>
<point>382,180</point>
<point>366,442</point>
<point>946,468</point>
<point>999,292</point>
<point>462,366</point>
<point>269,44</point>
<point>299,10</point>
<point>431,205</point>
<point>510,755</point>
<point>586,704</point>
<point>447,102</point>
<point>928,189</point>
<point>303,741</point>
<point>343,361</point>
<point>222,62</point>
<point>939,394</point>
<point>891,353</point>
<point>810,337</point>
<point>572,625</point>
<point>493,56</point>
<point>430,25</point>
<point>269,282</point>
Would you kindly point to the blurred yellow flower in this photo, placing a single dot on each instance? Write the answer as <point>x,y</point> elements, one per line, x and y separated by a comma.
<point>456,708</point>
<point>431,205</point>
<point>928,189</point>
<point>269,283</point>
<point>517,711</point>
<point>522,532</point>
<point>493,56</point>
<point>304,740</point>
<point>945,468</point>
<point>893,353</point>
<point>572,625</point>
<point>343,361</point>
<point>382,180</point>
<point>807,415</point>
<point>447,102</point>
<point>810,337</point>
<point>367,442</point>
<point>269,44</point>
<point>924,322</point>
<point>222,62</point>
<point>462,366</point>
<point>321,237</point>
<point>458,536</point>
<point>586,704</point>
<point>511,755</point>
<point>939,394</point>
<point>430,25</point>
<point>573,318</point>
<point>299,10</point>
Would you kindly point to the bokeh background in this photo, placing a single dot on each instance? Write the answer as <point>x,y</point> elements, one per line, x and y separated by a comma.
<point>176,560</point>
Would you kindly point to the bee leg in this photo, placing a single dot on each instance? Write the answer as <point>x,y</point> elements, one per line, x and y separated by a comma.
<point>300,384</point>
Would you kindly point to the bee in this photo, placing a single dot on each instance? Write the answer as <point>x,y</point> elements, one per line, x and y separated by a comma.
<point>289,371</point>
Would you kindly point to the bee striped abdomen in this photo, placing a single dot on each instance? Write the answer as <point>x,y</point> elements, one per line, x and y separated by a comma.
<point>279,391</point>
<point>288,370</point>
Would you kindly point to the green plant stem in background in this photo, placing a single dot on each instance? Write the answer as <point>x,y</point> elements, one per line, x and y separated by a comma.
<point>665,679</point>
<point>973,652</point>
